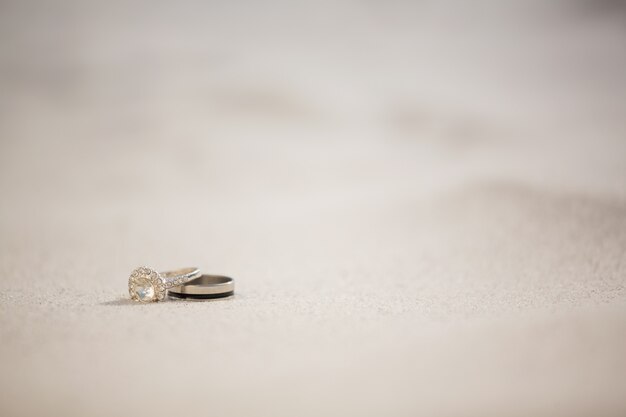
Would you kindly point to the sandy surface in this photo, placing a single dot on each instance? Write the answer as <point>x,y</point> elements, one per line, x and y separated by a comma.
<point>423,206</point>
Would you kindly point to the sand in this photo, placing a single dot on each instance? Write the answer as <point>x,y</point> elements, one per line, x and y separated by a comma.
<point>423,207</point>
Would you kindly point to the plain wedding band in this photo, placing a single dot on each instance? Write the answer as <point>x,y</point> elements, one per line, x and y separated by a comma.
<point>204,287</point>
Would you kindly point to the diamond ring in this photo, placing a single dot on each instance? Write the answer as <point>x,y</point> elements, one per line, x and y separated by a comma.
<point>146,285</point>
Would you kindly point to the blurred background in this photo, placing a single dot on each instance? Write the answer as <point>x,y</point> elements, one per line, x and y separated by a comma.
<point>422,203</point>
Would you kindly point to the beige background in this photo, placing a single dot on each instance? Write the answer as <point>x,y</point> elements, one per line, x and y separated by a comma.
<point>423,205</point>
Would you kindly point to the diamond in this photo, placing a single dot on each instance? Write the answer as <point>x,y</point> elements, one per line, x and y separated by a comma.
<point>143,288</point>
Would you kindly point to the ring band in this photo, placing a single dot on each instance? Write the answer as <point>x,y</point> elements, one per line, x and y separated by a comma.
<point>205,287</point>
<point>147,285</point>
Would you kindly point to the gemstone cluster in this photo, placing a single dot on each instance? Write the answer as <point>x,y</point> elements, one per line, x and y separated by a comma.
<point>146,285</point>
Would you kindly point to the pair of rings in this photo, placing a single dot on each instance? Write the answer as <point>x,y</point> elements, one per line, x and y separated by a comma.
<point>147,285</point>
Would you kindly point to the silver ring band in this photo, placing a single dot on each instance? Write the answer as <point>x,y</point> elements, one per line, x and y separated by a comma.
<point>179,276</point>
<point>205,287</point>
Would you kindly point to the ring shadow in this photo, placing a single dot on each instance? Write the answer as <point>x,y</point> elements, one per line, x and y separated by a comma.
<point>128,301</point>
<point>118,302</point>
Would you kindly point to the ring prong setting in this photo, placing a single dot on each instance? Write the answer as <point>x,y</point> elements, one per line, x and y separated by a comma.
<point>146,285</point>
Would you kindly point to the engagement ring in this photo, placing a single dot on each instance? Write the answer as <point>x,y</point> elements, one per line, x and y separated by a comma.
<point>146,285</point>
